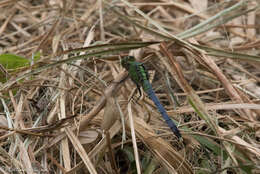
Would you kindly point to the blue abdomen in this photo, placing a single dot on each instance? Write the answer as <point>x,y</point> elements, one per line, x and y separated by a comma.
<point>148,89</point>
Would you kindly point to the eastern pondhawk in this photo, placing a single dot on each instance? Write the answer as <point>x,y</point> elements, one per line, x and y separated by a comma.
<point>139,76</point>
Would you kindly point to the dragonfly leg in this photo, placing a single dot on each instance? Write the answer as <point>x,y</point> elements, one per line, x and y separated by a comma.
<point>134,92</point>
<point>132,95</point>
<point>139,90</point>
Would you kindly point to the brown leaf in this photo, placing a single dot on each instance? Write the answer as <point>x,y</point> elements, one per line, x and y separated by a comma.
<point>110,115</point>
<point>86,137</point>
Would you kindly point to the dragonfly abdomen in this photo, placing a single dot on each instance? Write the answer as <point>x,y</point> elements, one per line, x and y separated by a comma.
<point>161,109</point>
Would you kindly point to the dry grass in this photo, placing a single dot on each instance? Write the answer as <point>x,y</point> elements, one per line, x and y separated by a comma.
<point>64,113</point>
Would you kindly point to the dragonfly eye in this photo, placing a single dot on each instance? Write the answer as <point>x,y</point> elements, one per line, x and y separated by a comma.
<point>126,61</point>
<point>130,58</point>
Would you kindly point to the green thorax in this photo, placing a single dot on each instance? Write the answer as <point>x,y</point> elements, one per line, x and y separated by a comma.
<point>137,72</point>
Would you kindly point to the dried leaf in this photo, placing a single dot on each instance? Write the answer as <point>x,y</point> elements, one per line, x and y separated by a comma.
<point>110,115</point>
<point>89,136</point>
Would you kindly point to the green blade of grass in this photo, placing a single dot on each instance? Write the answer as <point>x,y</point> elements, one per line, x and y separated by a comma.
<point>211,26</point>
<point>71,59</point>
<point>205,24</point>
<point>166,35</point>
<point>199,108</point>
<point>228,54</point>
<point>109,46</point>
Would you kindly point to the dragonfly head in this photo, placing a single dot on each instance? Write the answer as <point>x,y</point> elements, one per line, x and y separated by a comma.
<point>125,62</point>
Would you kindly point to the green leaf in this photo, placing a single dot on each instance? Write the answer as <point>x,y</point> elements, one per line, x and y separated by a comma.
<point>11,61</point>
<point>209,144</point>
<point>129,153</point>
<point>37,56</point>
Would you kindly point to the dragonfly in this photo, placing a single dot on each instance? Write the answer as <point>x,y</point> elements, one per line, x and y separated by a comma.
<point>139,75</point>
